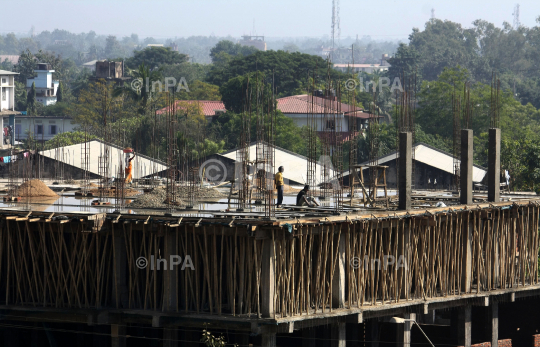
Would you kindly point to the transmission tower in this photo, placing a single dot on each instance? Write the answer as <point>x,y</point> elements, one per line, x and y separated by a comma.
<point>517,24</point>
<point>336,28</point>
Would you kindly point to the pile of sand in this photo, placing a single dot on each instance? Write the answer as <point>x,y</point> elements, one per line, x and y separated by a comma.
<point>154,199</point>
<point>35,188</point>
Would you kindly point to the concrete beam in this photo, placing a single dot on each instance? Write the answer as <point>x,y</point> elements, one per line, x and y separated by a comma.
<point>405,170</point>
<point>494,165</point>
<point>466,168</point>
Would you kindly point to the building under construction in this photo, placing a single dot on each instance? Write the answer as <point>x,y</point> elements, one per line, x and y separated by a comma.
<point>364,269</point>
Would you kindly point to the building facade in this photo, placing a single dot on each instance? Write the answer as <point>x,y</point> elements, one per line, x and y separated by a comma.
<point>41,128</point>
<point>46,87</point>
<point>7,90</point>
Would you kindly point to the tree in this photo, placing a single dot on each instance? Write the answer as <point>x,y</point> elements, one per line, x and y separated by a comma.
<point>113,48</point>
<point>200,91</point>
<point>154,57</point>
<point>68,139</point>
<point>60,93</point>
<point>144,93</point>
<point>20,96</point>
<point>236,91</point>
<point>225,49</point>
<point>25,66</point>
<point>31,107</point>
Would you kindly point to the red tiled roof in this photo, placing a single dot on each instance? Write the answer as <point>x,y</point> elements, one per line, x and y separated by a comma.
<point>304,103</point>
<point>208,107</point>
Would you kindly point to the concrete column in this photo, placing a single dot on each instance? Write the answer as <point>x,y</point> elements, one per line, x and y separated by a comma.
<point>466,166</point>
<point>267,279</point>
<point>403,331</point>
<point>464,326</point>
<point>338,281</point>
<point>338,335</point>
<point>170,337</point>
<point>170,275</point>
<point>494,165</point>
<point>308,337</point>
<point>494,323</point>
<point>118,335</point>
<point>405,170</point>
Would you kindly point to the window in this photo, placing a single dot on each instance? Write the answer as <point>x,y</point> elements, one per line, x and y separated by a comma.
<point>4,94</point>
<point>52,129</point>
<point>39,129</point>
<point>4,80</point>
<point>330,124</point>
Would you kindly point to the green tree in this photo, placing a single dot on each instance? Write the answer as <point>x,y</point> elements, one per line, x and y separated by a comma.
<point>199,90</point>
<point>146,90</point>
<point>31,102</point>
<point>60,92</point>
<point>226,49</point>
<point>25,66</point>
<point>155,57</point>
<point>20,96</point>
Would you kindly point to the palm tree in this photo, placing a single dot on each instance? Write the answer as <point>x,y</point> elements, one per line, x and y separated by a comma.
<point>140,88</point>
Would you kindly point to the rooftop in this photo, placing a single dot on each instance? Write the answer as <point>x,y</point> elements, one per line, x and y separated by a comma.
<point>302,104</point>
<point>4,72</point>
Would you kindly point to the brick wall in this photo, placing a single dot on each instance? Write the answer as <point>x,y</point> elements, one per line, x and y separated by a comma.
<point>536,340</point>
<point>506,343</point>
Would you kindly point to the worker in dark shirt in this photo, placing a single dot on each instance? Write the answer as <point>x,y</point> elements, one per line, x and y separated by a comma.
<point>302,199</point>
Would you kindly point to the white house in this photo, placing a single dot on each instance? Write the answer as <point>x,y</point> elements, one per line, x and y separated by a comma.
<point>45,86</point>
<point>41,128</point>
<point>7,90</point>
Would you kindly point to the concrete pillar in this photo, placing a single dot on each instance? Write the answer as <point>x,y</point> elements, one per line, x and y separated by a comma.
<point>405,170</point>
<point>267,279</point>
<point>309,336</point>
<point>403,331</point>
<point>118,335</point>
<point>338,335</point>
<point>170,276</point>
<point>466,166</point>
<point>338,281</point>
<point>494,165</point>
<point>464,326</point>
<point>494,323</point>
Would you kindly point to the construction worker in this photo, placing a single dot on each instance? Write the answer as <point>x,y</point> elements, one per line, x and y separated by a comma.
<point>129,170</point>
<point>303,200</point>
<point>278,180</point>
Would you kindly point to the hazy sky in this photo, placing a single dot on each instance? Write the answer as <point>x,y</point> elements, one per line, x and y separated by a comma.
<point>273,18</point>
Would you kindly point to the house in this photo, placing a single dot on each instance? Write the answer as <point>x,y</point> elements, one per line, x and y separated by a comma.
<point>367,68</point>
<point>429,164</point>
<point>41,128</point>
<point>46,87</point>
<point>110,71</point>
<point>297,107</point>
<point>7,91</point>
<point>209,108</point>
<point>253,41</point>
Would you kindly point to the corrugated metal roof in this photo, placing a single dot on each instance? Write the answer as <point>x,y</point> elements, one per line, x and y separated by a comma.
<point>142,165</point>
<point>295,165</point>
<point>435,158</point>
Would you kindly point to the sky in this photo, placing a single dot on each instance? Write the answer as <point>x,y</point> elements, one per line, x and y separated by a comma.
<point>382,19</point>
